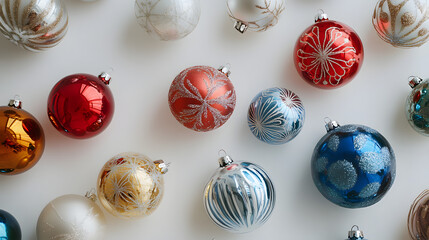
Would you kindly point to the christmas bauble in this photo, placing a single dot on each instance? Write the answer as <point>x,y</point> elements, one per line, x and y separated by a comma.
<point>328,54</point>
<point>417,105</point>
<point>355,234</point>
<point>353,166</point>
<point>202,98</point>
<point>168,19</point>
<point>402,23</point>
<point>22,139</point>
<point>131,185</point>
<point>276,115</point>
<point>9,227</point>
<point>418,217</point>
<point>71,217</point>
<point>33,25</point>
<point>256,15</point>
<point>240,196</point>
<point>81,105</point>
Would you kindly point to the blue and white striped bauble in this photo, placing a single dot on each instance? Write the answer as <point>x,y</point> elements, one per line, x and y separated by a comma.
<point>240,196</point>
<point>276,115</point>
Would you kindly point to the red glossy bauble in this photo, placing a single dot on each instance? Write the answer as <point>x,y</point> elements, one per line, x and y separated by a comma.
<point>328,54</point>
<point>81,105</point>
<point>202,98</point>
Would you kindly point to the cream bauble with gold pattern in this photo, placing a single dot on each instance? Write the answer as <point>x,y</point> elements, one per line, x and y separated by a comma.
<point>402,23</point>
<point>131,185</point>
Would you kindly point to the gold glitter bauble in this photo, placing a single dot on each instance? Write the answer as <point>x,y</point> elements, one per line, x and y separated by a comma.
<point>131,185</point>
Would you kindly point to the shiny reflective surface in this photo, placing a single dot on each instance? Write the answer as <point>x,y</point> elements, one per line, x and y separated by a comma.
<point>328,54</point>
<point>22,141</point>
<point>168,19</point>
<point>71,217</point>
<point>257,15</point>
<point>201,98</point>
<point>240,197</point>
<point>80,106</point>
<point>9,227</point>
<point>276,115</point>
<point>353,166</point>
<point>418,217</point>
<point>130,185</point>
<point>402,23</point>
<point>417,108</point>
<point>34,25</point>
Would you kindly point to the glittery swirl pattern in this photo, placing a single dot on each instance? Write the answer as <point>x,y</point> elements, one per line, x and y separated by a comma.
<point>202,98</point>
<point>353,168</point>
<point>35,25</point>
<point>239,197</point>
<point>402,23</point>
<point>326,63</point>
<point>276,116</point>
<point>417,108</point>
<point>129,185</point>
<point>269,11</point>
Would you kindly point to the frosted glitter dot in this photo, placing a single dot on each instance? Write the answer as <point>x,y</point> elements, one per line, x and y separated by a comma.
<point>342,174</point>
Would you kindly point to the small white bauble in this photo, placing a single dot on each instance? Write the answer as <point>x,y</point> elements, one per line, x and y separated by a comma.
<point>168,19</point>
<point>71,217</point>
<point>402,23</point>
<point>256,15</point>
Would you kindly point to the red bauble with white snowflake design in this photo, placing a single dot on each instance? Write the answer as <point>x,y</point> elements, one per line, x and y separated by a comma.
<point>202,98</point>
<point>328,54</point>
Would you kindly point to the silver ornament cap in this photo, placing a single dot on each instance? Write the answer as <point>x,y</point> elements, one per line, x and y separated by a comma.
<point>16,102</point>
<point>355,233</point>
<point>321,16</point>
<point>413,81</point>
<point>225,69</point>
<point>331,124</point>
<point>224,160</point>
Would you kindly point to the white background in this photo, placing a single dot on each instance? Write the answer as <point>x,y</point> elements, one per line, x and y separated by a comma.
<point>106,34</point>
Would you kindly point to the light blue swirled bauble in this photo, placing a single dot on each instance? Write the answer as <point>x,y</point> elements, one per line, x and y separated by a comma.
<point>353,166</point>
<point>239,197</point>
<point>276,116</point>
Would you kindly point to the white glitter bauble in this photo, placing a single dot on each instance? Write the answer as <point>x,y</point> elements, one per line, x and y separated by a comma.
<point>71,217</point>
<point>402,23</point>
<point>168,19</point>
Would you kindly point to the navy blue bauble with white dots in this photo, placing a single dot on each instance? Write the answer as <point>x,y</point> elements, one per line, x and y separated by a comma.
<point>353,165</point>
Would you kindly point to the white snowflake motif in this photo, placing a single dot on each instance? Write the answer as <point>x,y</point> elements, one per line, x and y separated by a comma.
<point>327,62</point>
<point>136,183</point>
<point>207,107</point>
<point>276,116</point>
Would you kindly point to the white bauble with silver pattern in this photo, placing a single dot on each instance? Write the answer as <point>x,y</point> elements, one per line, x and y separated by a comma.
<point>256,15</point>
<point>71,217</point>
<point>35,25</point>
<point>168,19</point>
<point>402,23</point>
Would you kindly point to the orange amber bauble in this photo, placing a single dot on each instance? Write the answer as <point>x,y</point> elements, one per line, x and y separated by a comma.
<point>21,140</point>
